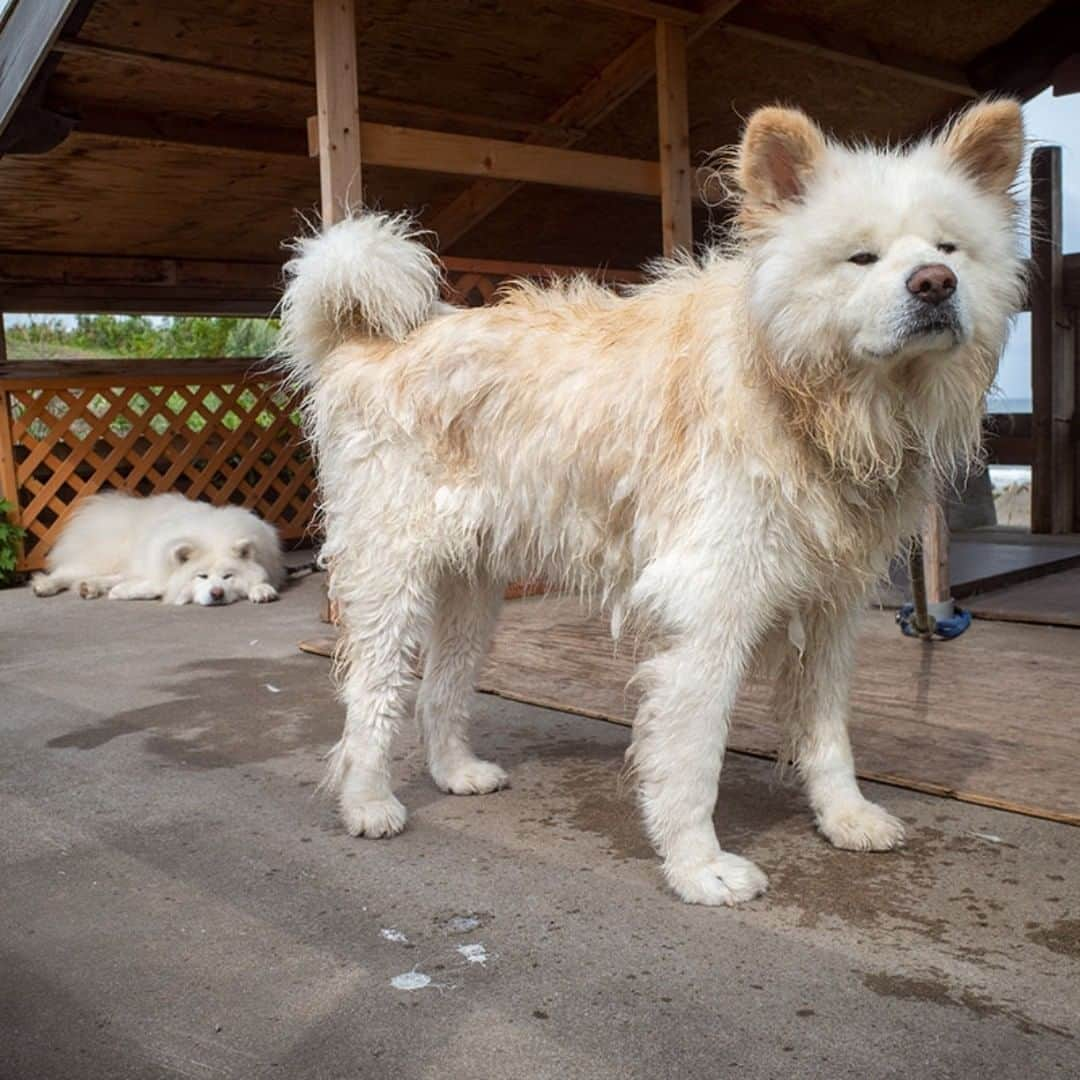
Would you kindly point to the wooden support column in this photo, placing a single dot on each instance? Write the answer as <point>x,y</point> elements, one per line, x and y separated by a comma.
<point>676,192</point>
<point>1053,381</point>
<point>9,485</point>
<point>935,554</point>
<point>338,107</point>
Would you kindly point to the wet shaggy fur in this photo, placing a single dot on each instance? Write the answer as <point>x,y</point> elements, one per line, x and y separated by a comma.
<point>728,455</point>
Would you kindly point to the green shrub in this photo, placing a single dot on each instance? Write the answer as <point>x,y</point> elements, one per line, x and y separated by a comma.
<point>10,537</point>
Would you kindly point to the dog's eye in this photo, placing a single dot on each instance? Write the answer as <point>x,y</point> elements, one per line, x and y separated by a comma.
<point>226,577</point>
<point>947,249</point>
<point>202,577</point>
<point>863,258</point>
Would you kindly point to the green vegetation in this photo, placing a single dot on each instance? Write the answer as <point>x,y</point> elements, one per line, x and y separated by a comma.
<point>143,337</point>
<point>10,538</point>
<point>139,336</point>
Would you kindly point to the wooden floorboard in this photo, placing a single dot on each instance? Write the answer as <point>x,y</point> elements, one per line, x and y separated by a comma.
<point>992,717</point>
<point>1053,601</point>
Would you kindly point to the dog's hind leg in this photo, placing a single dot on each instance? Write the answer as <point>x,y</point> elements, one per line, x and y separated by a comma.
<point>385,611</point>
<point>464,616</point>
<point>812,704</point>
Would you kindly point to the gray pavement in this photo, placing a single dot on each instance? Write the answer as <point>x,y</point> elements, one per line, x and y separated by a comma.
<point>176,902</point>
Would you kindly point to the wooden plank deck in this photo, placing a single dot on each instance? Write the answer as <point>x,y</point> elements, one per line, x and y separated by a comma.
<point>1051,601</point>
<point>991,718</point>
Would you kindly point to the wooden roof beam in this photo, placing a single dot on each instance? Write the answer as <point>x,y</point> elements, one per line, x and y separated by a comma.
<point>301,89</point>
<point>26,37</point>
<point>649,9</point>
<point>827,44</point>
<point>396,148</point>
<point>618,80</point>
<point>1025,63</point>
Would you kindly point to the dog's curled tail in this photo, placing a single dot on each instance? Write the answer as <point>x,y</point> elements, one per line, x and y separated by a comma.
<point>367,276</point>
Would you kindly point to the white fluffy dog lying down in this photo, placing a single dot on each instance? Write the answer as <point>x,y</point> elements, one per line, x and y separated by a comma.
<point>164,547</point>
<point>728,456</point>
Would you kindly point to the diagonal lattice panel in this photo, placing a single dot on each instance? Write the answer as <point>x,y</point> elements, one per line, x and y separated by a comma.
<point>231,441</point>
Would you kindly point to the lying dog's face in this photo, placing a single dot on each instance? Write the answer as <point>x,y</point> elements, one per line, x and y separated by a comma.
<point>873,256</point>
<point>213,578</point>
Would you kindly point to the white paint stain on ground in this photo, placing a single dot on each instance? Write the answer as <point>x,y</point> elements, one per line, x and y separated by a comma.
<point>272,688</point>
<point>410,980</point>
<point>462,924</point>
<point>391,934</point>
<point>474,954</point>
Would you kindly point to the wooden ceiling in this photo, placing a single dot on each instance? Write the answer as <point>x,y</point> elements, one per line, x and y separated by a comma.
<point>188,116</point>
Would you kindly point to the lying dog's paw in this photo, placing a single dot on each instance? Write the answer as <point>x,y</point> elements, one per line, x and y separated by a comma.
<point>43,585</point>
<point>373,817</point>
<point>470,777</point>
<point>861,826</point>
<point>726,879</point>
<point>262,594</point>
<point>90,590</point>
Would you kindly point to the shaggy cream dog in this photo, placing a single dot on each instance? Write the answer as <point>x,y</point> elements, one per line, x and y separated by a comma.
<point>164,547</point>
<point>729,455</point>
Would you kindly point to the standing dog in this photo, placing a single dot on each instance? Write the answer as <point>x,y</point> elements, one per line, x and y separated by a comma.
<point>729,454</point>
<point>164,547</point>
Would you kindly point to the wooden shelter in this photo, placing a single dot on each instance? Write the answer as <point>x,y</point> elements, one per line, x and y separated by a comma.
<point>155,153</point>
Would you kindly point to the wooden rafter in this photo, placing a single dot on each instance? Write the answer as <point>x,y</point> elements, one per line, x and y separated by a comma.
<point>633,68</point>
<point>828,44</point>
<point>468,155</point>
<point>28,35</point>
<point>650,9</point>
<point>1024,64</point>
<point>302,90</point>
<point>618,80</point>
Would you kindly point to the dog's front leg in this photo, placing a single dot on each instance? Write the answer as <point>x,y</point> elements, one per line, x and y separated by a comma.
<point>812,702</point>
<point>679,738</point>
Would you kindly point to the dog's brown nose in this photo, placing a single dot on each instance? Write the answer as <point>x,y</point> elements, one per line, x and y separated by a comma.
<point>932,284</point>
<point>217,593</point>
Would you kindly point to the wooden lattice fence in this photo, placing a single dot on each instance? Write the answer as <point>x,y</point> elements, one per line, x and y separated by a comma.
<point>212,430</point>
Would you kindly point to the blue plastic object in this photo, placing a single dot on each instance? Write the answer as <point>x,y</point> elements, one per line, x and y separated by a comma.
<point>943,629</point>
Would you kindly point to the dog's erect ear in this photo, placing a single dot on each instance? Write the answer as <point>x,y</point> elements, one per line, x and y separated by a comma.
<point>244,549</point>
<point>779,152</point>
<point>181,551</point>
<point>987,142</point>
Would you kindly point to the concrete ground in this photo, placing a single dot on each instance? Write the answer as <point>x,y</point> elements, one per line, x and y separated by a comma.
<point>176,901</point>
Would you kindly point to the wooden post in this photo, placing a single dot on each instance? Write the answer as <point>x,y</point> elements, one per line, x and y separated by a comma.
<point>9,483</point>
<point>338,107</point>
<point>1052,377</point>
<point>672,108</point>
<point>935,553</point>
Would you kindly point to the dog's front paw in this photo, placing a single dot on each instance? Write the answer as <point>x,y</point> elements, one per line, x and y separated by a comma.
<point>373,817</point>
<point>90,590</point>
<point>470,777</point>
<point>262,594</point>
<point>43,585</point>
<point>725,879</point>
<point>861,826</point>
